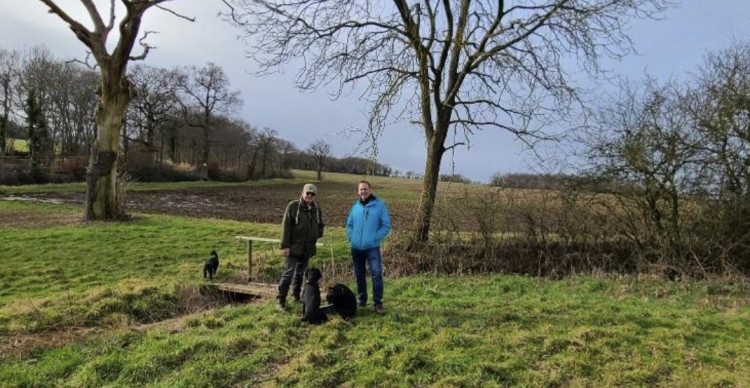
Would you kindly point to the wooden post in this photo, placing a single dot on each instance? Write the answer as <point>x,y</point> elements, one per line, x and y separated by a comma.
<point>249,260</point>
<point>250,251</point>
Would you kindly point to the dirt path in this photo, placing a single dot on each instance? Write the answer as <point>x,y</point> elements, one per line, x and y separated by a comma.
<point>19,345</point>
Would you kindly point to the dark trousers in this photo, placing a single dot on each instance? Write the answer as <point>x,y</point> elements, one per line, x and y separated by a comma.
<point>294,270</point>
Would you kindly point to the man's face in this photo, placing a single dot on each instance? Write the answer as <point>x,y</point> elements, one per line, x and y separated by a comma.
<point>364,191</point>
<point>308,197</point>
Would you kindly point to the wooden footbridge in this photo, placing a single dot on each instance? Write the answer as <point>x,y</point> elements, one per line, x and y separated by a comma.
<point>251,288</point>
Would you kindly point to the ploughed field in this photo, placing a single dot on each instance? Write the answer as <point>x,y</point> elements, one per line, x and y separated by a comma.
<point>258,203</point>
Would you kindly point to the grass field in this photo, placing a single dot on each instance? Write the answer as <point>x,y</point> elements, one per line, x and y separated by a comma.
<point>117,305</point>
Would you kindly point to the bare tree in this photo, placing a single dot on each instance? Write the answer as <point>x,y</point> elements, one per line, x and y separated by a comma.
<point>115,92</point>
<point>286,150</point>
<point>229,139</point>
<point>445,65</point>
<point>153,105</point>
<point>39,77</point>
<point>319,150</point>
<point>266,145</point>
<point>70,106</point>
<point>9,72</point>
<point>252,151</point>
<point>647,145</point>
<point>722,112</point>
<point>65,93</point>
<point>203,94</point>
<point>82,111</point>
<point>38,133</point>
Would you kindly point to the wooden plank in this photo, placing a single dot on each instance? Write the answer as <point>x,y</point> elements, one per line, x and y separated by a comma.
<point>263,239</point>
<point>245,238</point>
<point>255,289</point>
<point>263,290</point>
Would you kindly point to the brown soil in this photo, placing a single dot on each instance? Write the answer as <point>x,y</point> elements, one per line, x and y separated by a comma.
<point>38,220</point>
<point>17,345</point>
<point>264,204</point>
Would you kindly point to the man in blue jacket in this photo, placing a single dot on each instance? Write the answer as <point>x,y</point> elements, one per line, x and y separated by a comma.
<point>366,226</point>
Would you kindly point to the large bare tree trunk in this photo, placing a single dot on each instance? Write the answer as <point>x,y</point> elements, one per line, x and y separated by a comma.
<point>115,94</point>
<point>101,178</point>
<point>435,150</point>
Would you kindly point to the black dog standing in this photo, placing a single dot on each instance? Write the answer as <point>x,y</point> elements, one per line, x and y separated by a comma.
<point>343,301</point>
<point>211,265</point>
<point>311,311</point>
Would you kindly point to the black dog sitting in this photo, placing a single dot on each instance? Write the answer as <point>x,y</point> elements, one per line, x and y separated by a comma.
<point>211,265</point>
<point>342,300</point>
<point>311,311</point>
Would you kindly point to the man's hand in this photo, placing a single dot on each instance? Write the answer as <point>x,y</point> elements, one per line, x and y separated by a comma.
<point>285,251</point>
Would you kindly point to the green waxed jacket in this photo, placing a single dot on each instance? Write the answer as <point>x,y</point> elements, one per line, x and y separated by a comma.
<point>301,228</point>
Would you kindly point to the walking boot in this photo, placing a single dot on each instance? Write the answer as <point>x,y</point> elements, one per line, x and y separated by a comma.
<point>281,305</point>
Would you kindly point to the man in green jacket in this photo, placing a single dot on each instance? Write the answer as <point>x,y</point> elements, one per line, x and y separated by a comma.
<point>301,228</point>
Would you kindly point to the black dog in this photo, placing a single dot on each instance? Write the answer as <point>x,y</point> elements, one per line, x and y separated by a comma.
<point>311,311</point>
<point>342,300</point>
<point>211,265</point>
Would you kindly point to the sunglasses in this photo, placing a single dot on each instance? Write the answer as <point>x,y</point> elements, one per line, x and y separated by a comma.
<point>310,193</point>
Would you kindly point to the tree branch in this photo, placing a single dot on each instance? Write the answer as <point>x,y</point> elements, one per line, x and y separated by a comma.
<point>163,8</point>
<point>83,34</point>
<point>146,47</point>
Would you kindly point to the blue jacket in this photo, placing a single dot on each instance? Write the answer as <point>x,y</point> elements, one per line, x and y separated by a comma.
<point>368,224</point>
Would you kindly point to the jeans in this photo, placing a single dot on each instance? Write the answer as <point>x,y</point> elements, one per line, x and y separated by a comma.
<point>295,266</point>
<point>371,257</point>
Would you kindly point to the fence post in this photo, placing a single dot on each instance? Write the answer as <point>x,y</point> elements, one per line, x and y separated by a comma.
<point>249,260</point>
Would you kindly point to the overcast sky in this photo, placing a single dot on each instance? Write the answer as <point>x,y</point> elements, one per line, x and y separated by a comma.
<point>672,47</point>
